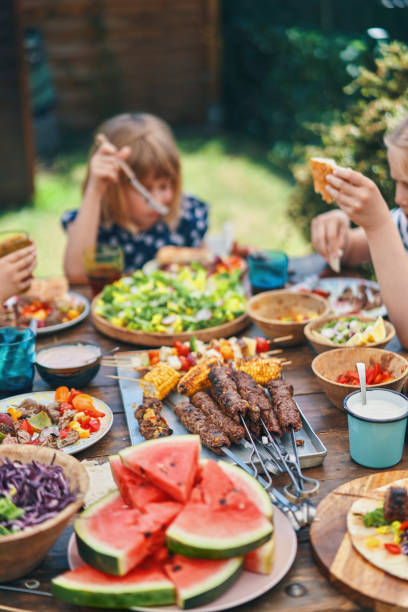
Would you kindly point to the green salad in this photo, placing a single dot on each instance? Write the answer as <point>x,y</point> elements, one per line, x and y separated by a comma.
<point>172,303</point>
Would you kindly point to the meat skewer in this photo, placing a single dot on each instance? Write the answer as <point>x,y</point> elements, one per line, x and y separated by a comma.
<point>284,406</point>
<point>255,396</point>
<point>196,422</point>
<point>151,424</point>
<point>206,404</point>
<point>225,391</point>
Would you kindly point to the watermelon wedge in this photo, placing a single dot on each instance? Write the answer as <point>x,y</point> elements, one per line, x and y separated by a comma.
<point>219,521</point>
<point>86,586</point>
<point>260,560</point>
<point>199,581</point>
<point>169,463</point>
<point>252,488</point>
<point>135,490</point>
<point>114,538</point>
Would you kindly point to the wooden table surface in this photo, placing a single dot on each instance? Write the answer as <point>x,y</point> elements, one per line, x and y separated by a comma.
<point>317,594</point>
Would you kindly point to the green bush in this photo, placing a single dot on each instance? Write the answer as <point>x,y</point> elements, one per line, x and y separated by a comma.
<point>356,139</point>
<point>277,80</point>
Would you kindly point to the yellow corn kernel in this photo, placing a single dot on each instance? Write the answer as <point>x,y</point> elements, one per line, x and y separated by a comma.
<point>372,542</point>
<point>261,370</point>
<point>383,529</point>
<point>159,381</point>
<point>196,379</point>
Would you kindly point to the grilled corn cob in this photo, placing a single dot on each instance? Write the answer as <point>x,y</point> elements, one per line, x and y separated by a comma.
<point>159,381</point>
<point>196,379</point>
<point>261,370</point>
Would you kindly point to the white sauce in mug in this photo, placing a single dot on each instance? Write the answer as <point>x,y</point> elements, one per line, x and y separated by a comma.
<point>67,356</point>
<point>377,409</point>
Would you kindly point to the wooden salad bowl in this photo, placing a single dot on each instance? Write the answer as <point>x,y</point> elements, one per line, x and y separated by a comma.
<point>20,552</point>
<point>329,365</point>
<point>264,308</point>
<point>323,344</point>
<point>230,328</point>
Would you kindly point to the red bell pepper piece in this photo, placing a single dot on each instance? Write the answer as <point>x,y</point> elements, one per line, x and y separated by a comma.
<point>181,348</point>
<point>26,426</point>
<point>403,526</point>
<point>185,364</point>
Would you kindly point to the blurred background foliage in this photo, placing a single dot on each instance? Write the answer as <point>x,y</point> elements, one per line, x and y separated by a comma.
<point>309,79</point>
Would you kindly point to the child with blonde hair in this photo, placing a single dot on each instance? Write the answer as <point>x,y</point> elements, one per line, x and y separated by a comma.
<point>114,213</point>
<point>382,235</point>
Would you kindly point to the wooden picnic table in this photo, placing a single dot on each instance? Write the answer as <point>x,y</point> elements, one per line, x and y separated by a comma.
<point>316,594</point>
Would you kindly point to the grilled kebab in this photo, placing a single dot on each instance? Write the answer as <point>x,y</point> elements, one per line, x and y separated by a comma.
<point>206,404</point>
<point>197,422</point>
<point>151,423</point>
<point>284,406</point>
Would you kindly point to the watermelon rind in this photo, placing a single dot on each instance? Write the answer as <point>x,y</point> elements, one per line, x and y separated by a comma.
<point>253,489</point>
<point>261,560</point>
<point>113,595</point>
<point>97,554</point>
<point>185,543</point>
<point>213,587</point>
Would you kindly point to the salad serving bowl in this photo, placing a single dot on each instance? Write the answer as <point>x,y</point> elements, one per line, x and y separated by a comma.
<point>275,313</point>
<point>321,343</point>
<point>23,550</point>
<point>327,366</point>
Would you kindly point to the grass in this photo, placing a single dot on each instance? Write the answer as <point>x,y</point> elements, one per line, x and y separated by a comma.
<point>232,174</point>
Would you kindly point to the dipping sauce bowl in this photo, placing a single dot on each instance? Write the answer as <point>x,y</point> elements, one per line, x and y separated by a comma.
<point>377,434</point>
<point>73,364</point>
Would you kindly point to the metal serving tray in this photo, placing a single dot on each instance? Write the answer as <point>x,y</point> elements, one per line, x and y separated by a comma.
<point>312,453</point>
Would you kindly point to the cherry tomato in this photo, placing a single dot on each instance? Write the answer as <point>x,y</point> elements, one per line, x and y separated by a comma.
<point>181,348</point>
<point>262,344</point>
<point>403,526</point>
<point>185,364</point>
<point>394,549</point>
<point>94,425</point>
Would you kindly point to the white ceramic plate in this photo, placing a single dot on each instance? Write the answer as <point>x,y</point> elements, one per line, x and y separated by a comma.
<point>47,397</point>
<point>77,298</point>
<point>335,287</point>
<point>248,586</point>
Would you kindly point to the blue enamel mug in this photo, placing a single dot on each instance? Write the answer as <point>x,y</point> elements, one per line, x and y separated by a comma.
<point>377,440</point>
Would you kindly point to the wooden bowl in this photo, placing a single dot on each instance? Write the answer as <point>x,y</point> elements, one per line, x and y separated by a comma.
<point>20,552</point>
<point>230,328</point>
<point>265,307</point>
<point>323,344</point>
<point>329,365</point>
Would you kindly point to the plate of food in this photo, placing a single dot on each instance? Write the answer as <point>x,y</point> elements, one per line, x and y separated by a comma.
<point>68,420</point>
<point>157,308</point>
<point>248,586</point>
<point>172,258</point>
<point>346,295</point>
<point>367,553</point>
<point>49,303</point>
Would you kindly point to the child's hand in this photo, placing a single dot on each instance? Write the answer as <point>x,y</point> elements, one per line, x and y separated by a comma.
<point>104,166</point>
<point>359,197</point>
<point>330,233</point>
<point>16,271</point>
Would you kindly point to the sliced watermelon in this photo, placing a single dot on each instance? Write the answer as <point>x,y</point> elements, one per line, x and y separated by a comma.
<point>135,490</point>
<point>219,521</point>
<point>169,463</point>
<point>260,560</point>
<point>242,480</point>
<point>114,538</point>
<point>252,488</point>
<point>86,586</point>
<point>199,581</point>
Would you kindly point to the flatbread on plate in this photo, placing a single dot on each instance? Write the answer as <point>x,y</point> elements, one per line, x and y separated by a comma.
<point>397,565</point>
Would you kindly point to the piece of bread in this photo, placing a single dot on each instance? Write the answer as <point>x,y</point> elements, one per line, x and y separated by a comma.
<point>183,255</point>
<point>321,167</point>
<point>47,289</point>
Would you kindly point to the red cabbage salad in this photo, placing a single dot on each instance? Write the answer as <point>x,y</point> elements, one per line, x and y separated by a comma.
<point>31,494</point>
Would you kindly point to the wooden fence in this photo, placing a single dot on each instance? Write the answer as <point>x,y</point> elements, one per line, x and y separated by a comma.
<point>110,56</point>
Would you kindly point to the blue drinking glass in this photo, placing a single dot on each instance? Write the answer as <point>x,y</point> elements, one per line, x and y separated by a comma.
<point>17,355</point>
<point>268,269</point>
